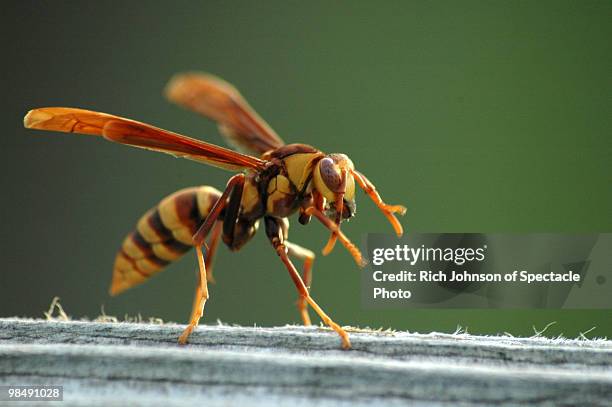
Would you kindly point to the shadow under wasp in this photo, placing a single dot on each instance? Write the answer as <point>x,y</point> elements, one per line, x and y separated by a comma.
<point>285,179</point>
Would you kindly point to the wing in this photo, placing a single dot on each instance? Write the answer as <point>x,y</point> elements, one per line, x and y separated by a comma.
<point>133,133</point>
<point>220,101</point>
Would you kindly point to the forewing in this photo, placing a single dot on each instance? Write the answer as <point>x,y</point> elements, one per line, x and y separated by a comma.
<point>137,134</point>
<point>218,100</point>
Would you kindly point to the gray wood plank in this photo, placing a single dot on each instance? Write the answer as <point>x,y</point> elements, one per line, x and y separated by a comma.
<point>119,363</point>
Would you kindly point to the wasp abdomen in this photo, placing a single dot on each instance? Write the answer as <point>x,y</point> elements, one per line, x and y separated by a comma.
<point>162,235</point>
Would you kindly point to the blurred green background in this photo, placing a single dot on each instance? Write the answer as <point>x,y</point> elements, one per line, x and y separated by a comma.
<point>480,116</point>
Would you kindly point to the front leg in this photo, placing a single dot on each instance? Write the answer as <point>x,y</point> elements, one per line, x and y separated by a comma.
<point>333,227</point>
<point>388,210</point>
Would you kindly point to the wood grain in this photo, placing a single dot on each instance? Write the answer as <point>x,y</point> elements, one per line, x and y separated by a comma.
<point>127,363</point>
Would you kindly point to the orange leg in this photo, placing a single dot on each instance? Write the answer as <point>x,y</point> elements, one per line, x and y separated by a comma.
<point>308,257</point>
<point>213,243</point>
<point>202,232</point>
<point>387,210</point>
<point>329,224</point>
<point>303,292</point>
<point>201,296</point>
<point>274,231</point>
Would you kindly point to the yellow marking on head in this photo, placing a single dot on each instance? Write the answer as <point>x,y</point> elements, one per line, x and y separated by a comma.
<point>340,161</point>
<point>321,187</point>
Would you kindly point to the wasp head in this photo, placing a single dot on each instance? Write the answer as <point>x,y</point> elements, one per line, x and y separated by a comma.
<point>332,178</point>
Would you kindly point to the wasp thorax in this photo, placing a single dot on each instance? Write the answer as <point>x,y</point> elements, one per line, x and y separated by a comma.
<point>332,176</point>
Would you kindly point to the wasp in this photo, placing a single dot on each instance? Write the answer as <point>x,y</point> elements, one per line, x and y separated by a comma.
<point>274,181</point>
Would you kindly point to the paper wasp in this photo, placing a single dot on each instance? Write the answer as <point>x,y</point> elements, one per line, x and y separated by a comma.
<point>285,179</point>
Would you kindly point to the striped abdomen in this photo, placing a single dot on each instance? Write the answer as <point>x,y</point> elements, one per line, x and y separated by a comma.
<point>162,235</point>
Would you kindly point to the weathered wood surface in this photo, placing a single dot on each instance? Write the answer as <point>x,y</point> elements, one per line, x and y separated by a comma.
<point>128,363</point>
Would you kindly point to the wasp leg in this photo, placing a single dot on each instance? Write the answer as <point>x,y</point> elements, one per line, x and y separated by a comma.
<point>387,210</point>
<point>275,235</point>
<point>308,257</point>
<point>199,236</point>
<point>329,224</point>
<point>213,243</point>
<point>201,295</point>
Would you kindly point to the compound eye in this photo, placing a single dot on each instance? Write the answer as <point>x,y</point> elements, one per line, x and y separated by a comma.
<point>330,174</point>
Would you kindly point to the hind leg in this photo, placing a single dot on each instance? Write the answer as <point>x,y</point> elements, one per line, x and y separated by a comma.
<point>201,295</point>
<point>213,244</point>
<point>307,257</point>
